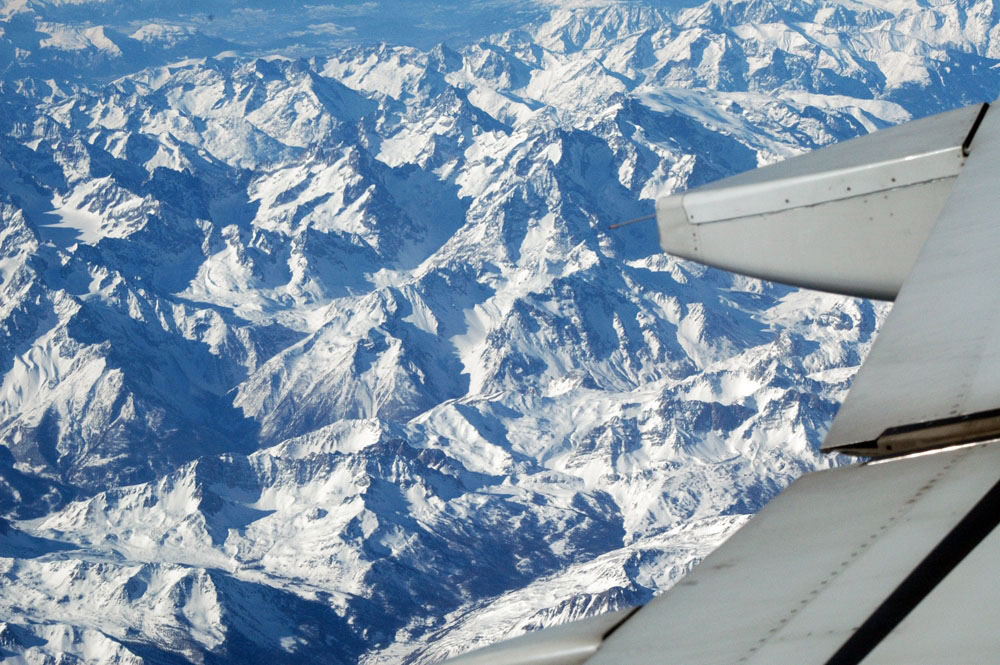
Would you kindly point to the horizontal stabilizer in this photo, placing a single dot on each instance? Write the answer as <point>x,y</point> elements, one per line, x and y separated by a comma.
<point>850,218</point>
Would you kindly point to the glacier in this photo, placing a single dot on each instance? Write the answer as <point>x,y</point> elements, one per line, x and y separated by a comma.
<point>317,346</point>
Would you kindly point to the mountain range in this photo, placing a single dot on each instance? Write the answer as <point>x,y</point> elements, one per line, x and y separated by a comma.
<point>317,346</point>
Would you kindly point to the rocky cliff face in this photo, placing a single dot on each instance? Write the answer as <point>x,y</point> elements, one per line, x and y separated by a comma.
<point>333,358</point>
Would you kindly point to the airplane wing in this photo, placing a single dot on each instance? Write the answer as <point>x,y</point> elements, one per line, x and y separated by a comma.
<point>818,577</point>
<point>888,561</point>
<point>933,373</point>
<point>891,562</point>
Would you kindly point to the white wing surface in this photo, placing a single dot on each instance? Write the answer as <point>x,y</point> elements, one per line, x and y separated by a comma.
<point>957,622</point>
<point>933,373</point>
<point>801,579</point>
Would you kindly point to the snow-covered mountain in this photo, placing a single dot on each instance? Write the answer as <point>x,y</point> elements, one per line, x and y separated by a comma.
<point>333,358</point>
